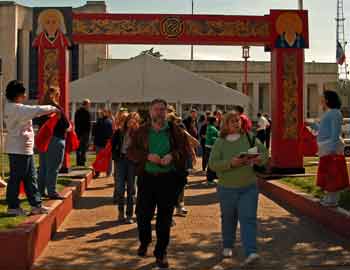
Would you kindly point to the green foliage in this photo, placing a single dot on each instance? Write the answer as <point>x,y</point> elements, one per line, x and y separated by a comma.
<point>304,184</point>
<point>152,53</point>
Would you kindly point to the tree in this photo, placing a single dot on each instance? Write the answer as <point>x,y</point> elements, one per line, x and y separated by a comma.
<point>152,53</point>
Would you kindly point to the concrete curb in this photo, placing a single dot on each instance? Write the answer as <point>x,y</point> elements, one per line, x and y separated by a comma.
<point>22,245</point>
<point>334,219</point>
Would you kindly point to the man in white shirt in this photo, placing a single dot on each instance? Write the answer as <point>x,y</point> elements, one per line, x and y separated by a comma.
<point>261,128</point>
<point>19,147</point>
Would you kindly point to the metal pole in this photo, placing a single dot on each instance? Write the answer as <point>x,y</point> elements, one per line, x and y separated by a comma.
<point>2,141</point>
<point>245,76</point>
<point>300,4</point>
<point>192,12</point>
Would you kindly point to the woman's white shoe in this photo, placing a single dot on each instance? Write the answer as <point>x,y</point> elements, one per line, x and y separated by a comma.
<point>252,258</point>
<point>227,253</point>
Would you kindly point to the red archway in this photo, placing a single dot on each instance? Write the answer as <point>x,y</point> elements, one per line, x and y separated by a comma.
<point>283,32</point>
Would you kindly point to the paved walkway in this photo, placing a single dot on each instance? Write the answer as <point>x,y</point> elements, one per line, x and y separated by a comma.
<point>91,239</point>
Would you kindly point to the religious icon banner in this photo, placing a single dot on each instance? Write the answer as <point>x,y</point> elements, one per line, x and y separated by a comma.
<point>281,29</point>
<point>170,29</point>
<point>289,29</point>
<point>52,44</point>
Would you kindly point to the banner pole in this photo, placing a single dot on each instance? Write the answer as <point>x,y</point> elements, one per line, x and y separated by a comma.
<point>2,140</point>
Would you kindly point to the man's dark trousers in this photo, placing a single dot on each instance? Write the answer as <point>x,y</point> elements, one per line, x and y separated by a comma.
<point>161,191</point>
<point>83,148</point>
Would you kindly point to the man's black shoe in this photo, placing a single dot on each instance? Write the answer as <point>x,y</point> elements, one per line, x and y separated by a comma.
<point>162,262</point>
<point>142,251</point>
<point>55,196</point>
<point>44,195</point>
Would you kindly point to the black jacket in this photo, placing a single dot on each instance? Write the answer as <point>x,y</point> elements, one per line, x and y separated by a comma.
<point>117,142</point>
<point>202,133</point>
<point>82,121</point>
<point>103,131</point>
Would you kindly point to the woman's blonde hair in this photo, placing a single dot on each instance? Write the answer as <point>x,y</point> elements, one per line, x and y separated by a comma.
<point>49,96</point>
<point>173,118</point>
<point>225,130</point>
<point>120,118</point>
<point>132,115</point>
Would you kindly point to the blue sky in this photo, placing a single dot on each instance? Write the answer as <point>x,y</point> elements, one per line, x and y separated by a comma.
<point>322,25</point>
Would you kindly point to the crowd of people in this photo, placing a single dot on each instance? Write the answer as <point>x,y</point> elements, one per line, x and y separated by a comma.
<point>152,160</point>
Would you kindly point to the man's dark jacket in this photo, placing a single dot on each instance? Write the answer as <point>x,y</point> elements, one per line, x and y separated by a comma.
<point>139,147</point>
<point>82,121</point>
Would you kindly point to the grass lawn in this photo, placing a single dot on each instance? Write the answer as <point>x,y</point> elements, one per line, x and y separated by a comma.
<point>4,161</point>
<point>7,222</point>
<point>307,184</point>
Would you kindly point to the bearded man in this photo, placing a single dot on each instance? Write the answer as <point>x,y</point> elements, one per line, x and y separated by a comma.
<point>160,150</point>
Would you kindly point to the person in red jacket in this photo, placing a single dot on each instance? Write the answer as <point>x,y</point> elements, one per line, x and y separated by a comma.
<point>246,123</point>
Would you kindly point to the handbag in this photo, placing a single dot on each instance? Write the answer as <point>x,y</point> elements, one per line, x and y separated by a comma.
<point>252,143</point>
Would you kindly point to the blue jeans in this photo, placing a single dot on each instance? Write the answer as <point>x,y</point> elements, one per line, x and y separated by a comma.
<point>22,168</point>
<point>50,164</point>
<point>239,204</point>
<point>125,176</point>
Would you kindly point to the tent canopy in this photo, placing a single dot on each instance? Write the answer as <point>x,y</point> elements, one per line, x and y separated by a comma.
<point>143,78</point>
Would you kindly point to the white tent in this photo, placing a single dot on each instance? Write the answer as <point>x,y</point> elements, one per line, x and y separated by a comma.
<point>143,78</point>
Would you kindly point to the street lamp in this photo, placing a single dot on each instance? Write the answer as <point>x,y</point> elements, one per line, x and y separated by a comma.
<point>300,4</point>
<point>245,56</point>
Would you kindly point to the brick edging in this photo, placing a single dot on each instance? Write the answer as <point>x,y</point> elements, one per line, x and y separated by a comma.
<point>22,245</point>
<point>332,218</point>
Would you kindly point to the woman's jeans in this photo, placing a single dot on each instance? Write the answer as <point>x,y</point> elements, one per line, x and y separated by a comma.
<point>239,204</point>
<point>22,169</point>
<point>125,178</point>
<point>50,164</point>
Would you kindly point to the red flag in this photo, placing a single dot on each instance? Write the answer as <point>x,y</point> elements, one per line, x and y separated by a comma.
<point>103,158</point>
<point>45,134</point>
<point>308,143</point>
<point>72,141</point>
<point>21,188</point>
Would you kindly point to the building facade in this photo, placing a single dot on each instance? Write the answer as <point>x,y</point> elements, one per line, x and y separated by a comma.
<point>16,52</point>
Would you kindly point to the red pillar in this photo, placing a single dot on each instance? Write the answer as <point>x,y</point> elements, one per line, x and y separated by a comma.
<point>53,70</point>
<point>64,102</point>
<point>287,109</point>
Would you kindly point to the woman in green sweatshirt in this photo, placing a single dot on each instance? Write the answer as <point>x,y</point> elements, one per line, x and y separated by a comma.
<point>237,186</point>
<point>210,137</point>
